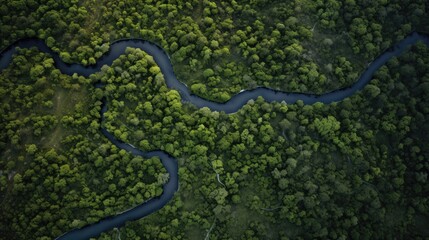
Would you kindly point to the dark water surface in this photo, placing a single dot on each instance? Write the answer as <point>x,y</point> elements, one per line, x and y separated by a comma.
<point>234,104</point>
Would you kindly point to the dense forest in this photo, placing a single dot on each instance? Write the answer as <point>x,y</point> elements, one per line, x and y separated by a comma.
<point>355,169</point>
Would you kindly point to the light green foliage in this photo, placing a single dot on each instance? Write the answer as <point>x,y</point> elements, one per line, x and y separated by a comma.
<point>327,127</point>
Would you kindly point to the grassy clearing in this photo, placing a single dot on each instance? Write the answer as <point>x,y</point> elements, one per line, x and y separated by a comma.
<point>64,103</point>
<point>65,100</point>
<point>195,232</point>
<point>242,216</point>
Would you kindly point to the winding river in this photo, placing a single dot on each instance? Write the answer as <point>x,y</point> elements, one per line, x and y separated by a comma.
<point>234,104</point>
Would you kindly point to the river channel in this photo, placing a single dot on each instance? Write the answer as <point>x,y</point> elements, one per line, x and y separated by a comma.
<point>118,48</point>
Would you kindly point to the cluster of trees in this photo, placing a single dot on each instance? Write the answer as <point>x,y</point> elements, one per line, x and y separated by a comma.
<point>228,46</point>
<point>57,171</point>
<point>353,169</point>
